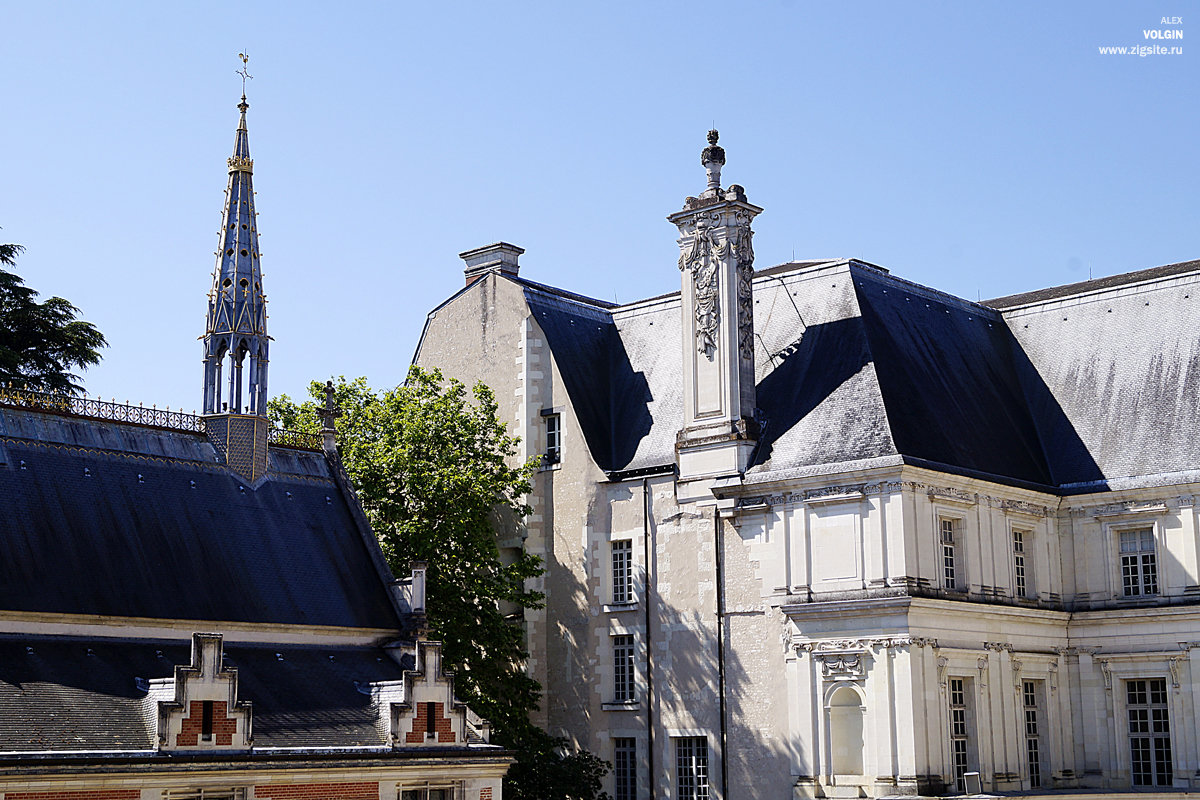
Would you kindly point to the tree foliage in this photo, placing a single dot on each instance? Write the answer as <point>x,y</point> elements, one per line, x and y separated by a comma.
<point>432,467</point>
<point>40,343</point>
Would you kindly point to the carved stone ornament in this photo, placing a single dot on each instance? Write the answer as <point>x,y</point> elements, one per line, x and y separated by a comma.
<point>841,666</point>
<point>1052,672</point>
<point>1173,664</point>
<point>743,251</point>
<point>699,256</point>
<point>1106,671</point>
<point>942,663</point>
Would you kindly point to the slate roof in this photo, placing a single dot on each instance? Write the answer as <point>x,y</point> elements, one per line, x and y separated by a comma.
<point>88,695</point>
<point>106,518</point>
<point>855,365</point>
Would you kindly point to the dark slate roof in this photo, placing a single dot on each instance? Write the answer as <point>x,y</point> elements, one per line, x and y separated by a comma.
<point>104,518</point>
<point>73,694</point>
<point>855,364</point>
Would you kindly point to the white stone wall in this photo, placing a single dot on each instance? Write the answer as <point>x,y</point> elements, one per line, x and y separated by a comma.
<point>835,582</point>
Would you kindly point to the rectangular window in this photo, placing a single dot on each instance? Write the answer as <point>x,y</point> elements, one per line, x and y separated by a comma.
<point>553,438</point>
<point>206,720</point>
<point>958,731</point>
<point>1020,586</point>
<point>691,767</point>
<point>1033,736</point>
<point>444,793</point>
<point>623,668</point>
<point>624,769</point>
<point>1149,732</point>
<point>1139,569</point>
<point>949,535</point>
<point>622,571</point>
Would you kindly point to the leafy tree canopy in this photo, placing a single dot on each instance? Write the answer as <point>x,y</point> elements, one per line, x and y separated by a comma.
<point>431,465</point>
<point>40,343</point>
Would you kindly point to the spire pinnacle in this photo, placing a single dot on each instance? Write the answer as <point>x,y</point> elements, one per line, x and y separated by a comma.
<point>236,327</point>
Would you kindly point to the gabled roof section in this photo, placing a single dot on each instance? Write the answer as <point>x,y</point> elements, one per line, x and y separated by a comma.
<point>102,518</point>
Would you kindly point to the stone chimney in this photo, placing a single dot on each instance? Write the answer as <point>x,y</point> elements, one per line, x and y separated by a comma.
<point>716,262</point>
<point>499,257</point>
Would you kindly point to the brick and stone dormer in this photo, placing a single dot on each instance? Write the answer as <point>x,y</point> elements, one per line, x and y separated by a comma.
<point>421,710</point>
<point>199,709</point>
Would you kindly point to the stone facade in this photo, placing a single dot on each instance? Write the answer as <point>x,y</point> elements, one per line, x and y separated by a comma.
<point>896,585</point>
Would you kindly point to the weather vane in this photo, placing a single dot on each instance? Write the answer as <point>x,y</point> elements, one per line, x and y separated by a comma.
<point>245,60</point>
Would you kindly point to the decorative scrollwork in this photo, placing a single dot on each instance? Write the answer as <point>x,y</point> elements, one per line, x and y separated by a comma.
<point>699,256</point>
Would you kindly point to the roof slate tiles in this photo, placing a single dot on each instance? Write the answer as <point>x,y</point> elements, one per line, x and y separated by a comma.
<point>855,364</point>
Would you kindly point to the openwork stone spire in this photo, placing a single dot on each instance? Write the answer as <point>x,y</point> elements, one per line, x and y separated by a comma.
<point>716,260</point>
<point>235,336</point>
<point>235,333</point>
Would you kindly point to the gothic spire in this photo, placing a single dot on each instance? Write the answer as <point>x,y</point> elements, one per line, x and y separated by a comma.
<point>237,315</point>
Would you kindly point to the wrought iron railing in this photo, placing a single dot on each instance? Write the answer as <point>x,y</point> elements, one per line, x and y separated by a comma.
<point>298,439</point>
<point>153,416</point>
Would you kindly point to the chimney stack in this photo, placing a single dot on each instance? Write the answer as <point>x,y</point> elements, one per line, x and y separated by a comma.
<point>499,257</point>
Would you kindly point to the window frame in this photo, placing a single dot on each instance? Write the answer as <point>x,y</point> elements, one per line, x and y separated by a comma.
<point>624,660</point>
<point>1021,543</point>
<point>952,548</point>
<point>551,437</point>
<point>621,578</point>
<point>625,775</point>
<point>1139,558</point>
<point>695,783</point>
<point>1160,762</point>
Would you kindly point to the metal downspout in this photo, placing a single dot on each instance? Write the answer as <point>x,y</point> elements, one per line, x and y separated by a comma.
<point>649,640</point>
<point>718,540</point>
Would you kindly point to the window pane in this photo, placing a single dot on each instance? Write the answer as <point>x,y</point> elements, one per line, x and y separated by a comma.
<point>622,571</point>
<point>623,668</point>
<point>691,767</point>
<point>625,768</point>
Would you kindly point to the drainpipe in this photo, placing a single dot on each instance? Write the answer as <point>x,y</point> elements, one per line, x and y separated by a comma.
<point>649,641</point>
<point>718,539</point>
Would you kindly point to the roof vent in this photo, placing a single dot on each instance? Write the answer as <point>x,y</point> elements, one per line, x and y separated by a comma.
<point>500,257</point>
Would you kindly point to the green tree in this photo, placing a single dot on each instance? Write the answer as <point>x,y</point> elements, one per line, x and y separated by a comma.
<point>431,465</point>
<point>40,343</point>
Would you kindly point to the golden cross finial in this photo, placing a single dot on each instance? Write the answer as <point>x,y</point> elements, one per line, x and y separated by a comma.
<point>245,60</point>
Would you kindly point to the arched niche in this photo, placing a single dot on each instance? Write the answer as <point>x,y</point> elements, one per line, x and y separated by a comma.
<point>846,710</point>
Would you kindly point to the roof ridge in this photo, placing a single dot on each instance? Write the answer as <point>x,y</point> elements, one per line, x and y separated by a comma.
<point>1094,285</point>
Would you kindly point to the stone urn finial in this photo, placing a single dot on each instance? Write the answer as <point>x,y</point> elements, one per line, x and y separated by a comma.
<point>713,158</point>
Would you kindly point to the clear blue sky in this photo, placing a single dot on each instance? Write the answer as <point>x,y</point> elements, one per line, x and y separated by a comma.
<point>983,148</point>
